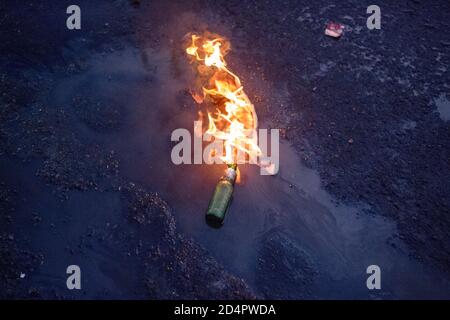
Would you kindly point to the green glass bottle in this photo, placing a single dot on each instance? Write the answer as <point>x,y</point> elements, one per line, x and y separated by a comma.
<point>221,198</point>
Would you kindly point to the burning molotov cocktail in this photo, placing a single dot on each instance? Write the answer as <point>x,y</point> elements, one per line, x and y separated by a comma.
<point>233,119</point>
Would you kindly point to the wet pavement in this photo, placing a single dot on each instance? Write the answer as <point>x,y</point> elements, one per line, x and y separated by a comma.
<point>87,177</point>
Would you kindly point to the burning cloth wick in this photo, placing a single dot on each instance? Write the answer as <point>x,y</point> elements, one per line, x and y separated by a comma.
<point>234,120</point>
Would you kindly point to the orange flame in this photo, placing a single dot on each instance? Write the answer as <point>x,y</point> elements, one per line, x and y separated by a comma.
<point>234,121</point>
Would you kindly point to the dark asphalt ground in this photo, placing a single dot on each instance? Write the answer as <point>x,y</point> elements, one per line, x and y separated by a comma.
<point>85,169</point>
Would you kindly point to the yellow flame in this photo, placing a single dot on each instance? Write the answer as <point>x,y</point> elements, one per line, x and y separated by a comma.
<point>235,121</point>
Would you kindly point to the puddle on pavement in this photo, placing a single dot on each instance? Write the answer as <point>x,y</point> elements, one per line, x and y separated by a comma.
<point>340,240</point>
<point>443,107</point>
